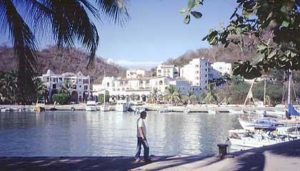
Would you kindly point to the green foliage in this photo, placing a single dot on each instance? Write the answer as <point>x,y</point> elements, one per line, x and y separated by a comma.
<point>211,96</point>
<point>66,27</point>
<point>101,98</point>
<point>189,11</point>
<point>234,92</point>
<point>8,87</point>
<point>173,95</point>
<point>279,20</point>
<point>61,98</point>
<point>190,98</point>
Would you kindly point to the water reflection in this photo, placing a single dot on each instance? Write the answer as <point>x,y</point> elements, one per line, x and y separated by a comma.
<point>110,134</point>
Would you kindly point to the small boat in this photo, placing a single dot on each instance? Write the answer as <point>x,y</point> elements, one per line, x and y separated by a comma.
<point>240,140</point>
<point>4,110</point>
<point>231,111</point>
<point>186,110</point>
<point>164,110</point>
<point>39,109</point>
<point>211,112</point>
<point>104,108</point>
<point>122,106</point>
<point>91,105</point>
<point>263,123</point>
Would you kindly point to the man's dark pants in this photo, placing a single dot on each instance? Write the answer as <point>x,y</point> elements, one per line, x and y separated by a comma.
<point>141,142</point>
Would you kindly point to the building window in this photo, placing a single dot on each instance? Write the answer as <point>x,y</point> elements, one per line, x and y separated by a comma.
<point>205,75</point>
<point>54,86</point>
<point>196,66</point>
<point>85,87</point>
<point>107,84</point>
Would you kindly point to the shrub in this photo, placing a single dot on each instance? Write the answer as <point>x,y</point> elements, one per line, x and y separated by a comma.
<point>61,98</point>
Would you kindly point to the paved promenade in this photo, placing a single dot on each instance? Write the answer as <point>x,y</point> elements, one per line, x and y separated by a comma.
<point>284,156</point>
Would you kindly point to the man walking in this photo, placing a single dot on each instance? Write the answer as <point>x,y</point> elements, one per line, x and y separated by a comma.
<point>141,138</point>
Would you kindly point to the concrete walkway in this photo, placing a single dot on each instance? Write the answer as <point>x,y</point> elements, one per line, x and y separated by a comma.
<point>284,156</point>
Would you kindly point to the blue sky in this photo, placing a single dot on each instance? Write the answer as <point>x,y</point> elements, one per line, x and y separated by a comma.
<point>156,32</point>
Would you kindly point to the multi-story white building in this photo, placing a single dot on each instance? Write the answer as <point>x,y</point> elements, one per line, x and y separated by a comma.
<point>136,73</point>
<point>170,71</point>
<point>196,72</point>
<point>185,87</point>
<point>120,88</point>
<point>222,67</point>
<point>77,84</point>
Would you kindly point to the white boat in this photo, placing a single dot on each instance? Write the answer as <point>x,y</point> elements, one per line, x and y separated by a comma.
<point>243,140</point>
<point>91,105</point>
<point>164,110</point>
<point>271,113</point>
<point>211,112</point>
<point>104,108</point>
<point>187,110</point>
<point>122,106</point>
<point>231,111</point>
<point>263,123</point>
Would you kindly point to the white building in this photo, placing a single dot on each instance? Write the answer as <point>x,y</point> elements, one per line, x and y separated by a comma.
<point>135,89</point>
<point>77,84</point>
<point>170,71</point>
<point>136,73</point>
<point>185,87</point>
<point>196,72</point>
<point>222,67</point>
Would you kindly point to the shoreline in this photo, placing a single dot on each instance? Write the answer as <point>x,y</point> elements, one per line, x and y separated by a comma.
<point>282,156</point>
<point>151,107</point>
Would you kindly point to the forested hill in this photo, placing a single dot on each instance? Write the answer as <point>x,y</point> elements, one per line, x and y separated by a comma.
<point>59,61</point>
<point>230,54</point>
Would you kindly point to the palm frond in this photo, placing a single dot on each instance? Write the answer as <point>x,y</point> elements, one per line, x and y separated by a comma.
<point>24,46</point>
<point>115,9</point>
<point>70,21</point>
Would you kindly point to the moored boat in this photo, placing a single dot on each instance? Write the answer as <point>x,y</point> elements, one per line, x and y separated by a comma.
<point>91,105</point>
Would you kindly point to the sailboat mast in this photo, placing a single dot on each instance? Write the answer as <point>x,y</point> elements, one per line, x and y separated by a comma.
<point>289,87</point>
<point>265,87</point>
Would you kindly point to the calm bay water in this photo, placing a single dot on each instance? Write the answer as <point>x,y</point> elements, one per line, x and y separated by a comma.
<point>83,133</point>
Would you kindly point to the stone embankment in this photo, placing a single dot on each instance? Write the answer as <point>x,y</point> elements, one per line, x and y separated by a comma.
<point>154,107</point>
<point>283,156</point>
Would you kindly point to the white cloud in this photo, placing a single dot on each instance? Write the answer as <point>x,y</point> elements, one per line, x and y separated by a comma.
<point>135,64</point>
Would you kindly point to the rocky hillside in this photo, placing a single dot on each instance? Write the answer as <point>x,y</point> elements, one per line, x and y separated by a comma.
<point>59,61</point>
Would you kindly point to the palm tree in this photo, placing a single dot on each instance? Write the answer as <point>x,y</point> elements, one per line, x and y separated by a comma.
<point>211,96</point>
<point>8,87</point>
<point>154,96</point>
<point>190,98</point>
<point>173,95</point>
<point>41,89</point>
<point>69,21</point>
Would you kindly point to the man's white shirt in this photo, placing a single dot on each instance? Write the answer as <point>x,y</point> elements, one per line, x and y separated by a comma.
<point>141,124</point>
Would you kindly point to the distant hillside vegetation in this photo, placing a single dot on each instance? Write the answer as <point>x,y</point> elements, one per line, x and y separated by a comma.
<point>59,61</point>
<point>230,54</point>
